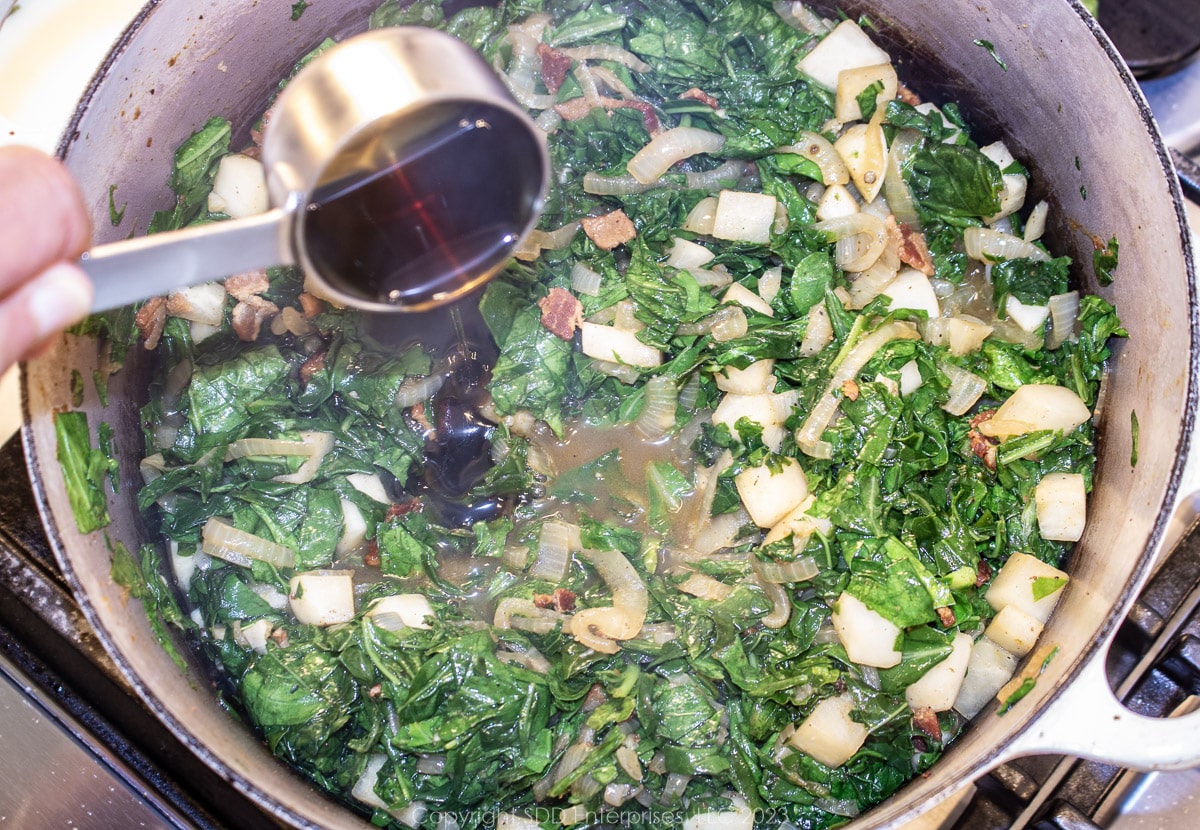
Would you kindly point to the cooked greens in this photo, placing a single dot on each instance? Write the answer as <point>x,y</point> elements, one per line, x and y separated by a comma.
<point>623,572</point>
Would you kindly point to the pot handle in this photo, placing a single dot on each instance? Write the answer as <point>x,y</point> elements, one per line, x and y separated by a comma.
<point>1086,720</point>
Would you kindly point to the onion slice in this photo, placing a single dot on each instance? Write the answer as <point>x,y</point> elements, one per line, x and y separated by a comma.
<point>966,388</point>
<point>808,436</point>
<point>665,149</point>
<point>237,547</point>
<point>600,628</point>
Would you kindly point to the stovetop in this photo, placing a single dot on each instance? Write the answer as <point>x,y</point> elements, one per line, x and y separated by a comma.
<point>63,703</point>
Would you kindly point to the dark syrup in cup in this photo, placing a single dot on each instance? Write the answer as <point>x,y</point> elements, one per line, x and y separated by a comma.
<point>419,214</point>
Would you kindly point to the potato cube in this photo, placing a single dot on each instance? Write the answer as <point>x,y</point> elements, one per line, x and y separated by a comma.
<point>239,187</point>
<point>755,379</point>
<point>912,289</point>
<point>744,217</point>
<point>1037,406</point>
<point>854,82</point>
<point>846,47</point>
<point>769,495</point>
<point>322,597</point>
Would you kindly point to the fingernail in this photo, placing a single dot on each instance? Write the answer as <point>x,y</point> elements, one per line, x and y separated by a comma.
<point>59,297</point>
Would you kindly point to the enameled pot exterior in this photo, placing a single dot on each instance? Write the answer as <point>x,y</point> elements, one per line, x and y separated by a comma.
<point>1038,70</point>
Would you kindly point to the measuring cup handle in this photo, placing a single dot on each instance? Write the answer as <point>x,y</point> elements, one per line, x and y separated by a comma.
<point>150,266</point>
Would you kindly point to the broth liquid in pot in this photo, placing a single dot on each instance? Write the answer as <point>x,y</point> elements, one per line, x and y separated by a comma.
<point>423,212</point>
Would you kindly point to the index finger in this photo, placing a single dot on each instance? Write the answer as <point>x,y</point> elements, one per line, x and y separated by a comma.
<point>43,219</point>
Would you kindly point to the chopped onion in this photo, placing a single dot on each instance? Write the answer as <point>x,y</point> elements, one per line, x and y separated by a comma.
<point>869,284</point>
<point>587,83</point>
<point>608,78</point>
<point>1064,312</point>
<point>621,371</point>
<point>237,547</point>
<point>769,283</point>
<point>800,569</point>
<point>895,189</point>
<point>798,16</point>
<point>599,628</point>
<point>819,332</point>
<point>536,241</point>
<point>965,389</point>
<point>821,152</point>
<point>989,245</point>
<point>667,148</point>
<point>607,52</point>
<point>626,185</point>
<point>522,614</point>
<point>859,239</point>
<point>415,390</point>
<point>661,400</point>
<point>727,175</point>
<point>781,605</point>
<point>700,219</point>
<point>705,587</point>
<point>548,121</point>
<point>1035,226</point>
<point>808,437</point>
<point>626,317</point>
<point>555,543</point>
<point>585,281</point>
<point>729,323</point>
<point>431,764</point>
<point>523,69</point>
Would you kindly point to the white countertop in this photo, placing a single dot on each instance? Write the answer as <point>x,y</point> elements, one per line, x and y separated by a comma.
<point>54,47</point>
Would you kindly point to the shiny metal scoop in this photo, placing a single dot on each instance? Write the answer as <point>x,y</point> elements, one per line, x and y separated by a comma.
<point>401,174</point>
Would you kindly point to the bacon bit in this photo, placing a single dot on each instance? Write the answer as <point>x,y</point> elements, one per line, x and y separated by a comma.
<point>595,698</point>
<point>983,446</point>
<point>311,305</point>
<point>375,691</point>
<point>579,108</point>
<point>403,508</point>
<point>280,636</point>
<point>563,600</point>
<point>910,245</point>
<point>417,411</point>
<point>562,313</point>
<point>150,320</point>
<point>983,572</point>
<point>610,230</point>
<point>946,616</point>
<point>697,94</point>
<point>315,363</point>
<point>926,720</point>
<point>908,96</point>
<point>850,389</point>
<point>371,558</point>
<point>555,66</point>
<point>244,286</point>
<point>256,135</point>
<point>247,317</point>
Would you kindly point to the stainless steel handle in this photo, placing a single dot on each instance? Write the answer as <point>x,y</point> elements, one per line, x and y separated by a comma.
<point>150,266</point>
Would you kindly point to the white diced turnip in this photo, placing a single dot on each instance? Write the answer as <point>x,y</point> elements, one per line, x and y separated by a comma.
<point>912,289</point>
<point>965,335</point>
<point>854,82</point>
<point>204,303</point>
<point>846,47</point>
<point>755,379</point>
<point>938,688</point>
<point>617,346</point>
<point>743,296</point>
<point>1012,197</point>
<point>1028,583</point>
<point>829,734</point>
<point>354,528</point>
<point>239,187</point>
<point>910,378</point>
<point>868,637</point>
<point>687,254</point>
<point>835,203</point>
<point>738,817</point>
<point>744,217</point>
<point>1028,317</point>
<point>364,787</point>
<point>1061,500</point>
<point>763,409</point>
<point>370,485</point>
<point>768,495</point>
<point>322,597</point>
<point>989,668</point>
<point>1034,407</point>
<point>253,635</point>
<point>863,148</point>
<point>401,610</point>
<point>1014,630</point>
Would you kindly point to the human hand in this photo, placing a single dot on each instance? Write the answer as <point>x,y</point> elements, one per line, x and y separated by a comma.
<point>44,227</point>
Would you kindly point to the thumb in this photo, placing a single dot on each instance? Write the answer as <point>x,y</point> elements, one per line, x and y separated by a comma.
<point>54,299</point>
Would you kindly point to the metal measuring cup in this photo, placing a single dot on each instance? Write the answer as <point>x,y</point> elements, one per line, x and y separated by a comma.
<point>402,176</point>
